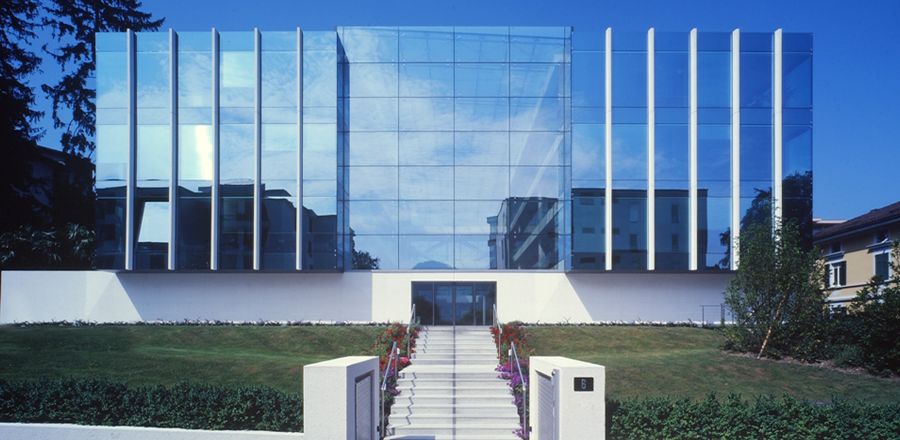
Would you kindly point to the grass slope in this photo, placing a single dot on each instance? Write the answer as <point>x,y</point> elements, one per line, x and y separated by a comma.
<point>687,362</point>
<point>221,355</point>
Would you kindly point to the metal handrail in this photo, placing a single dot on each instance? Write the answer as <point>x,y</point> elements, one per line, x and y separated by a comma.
<point>385,373</point>
<point>412,317</point>
<point>515,355</point>
<point>499,331</point>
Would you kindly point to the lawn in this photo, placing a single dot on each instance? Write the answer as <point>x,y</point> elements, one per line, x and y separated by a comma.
<point>222,355</point>
<point>687,362</point>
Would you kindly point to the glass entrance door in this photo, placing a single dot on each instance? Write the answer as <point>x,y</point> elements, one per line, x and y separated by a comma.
<point>455,303</point>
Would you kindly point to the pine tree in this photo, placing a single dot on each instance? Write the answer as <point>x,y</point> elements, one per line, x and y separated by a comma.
<point>18,20</point>
<point>76,22</point>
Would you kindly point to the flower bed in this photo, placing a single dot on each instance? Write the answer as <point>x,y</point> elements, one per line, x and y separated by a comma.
<point>399,334</point>
<point>507,335</point>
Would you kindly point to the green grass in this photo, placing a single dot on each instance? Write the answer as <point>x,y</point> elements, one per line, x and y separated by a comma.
<point>687,362</point>
<point>220,355</point>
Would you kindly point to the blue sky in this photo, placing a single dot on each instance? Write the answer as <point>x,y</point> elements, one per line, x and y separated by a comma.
<point>856,84</point>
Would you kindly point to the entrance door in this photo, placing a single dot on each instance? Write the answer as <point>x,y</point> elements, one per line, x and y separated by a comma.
<point>455,303</point>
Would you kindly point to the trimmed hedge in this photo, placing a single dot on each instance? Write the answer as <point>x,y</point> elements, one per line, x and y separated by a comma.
<point>762,418</point>
<point>193,406</point>
<point>185,405</point>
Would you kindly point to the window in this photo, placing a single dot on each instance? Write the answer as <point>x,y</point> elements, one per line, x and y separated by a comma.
<point>675,244</point>
<point>835,247</point>
<point>633,241</point>
<point>881,237</point>
<point>837,274</point>
<point>883,265</point>
<point>676,218</point>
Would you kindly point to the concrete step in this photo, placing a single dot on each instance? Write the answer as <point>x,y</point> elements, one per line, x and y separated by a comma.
<point>470,419</point>
<point>494,399</point>
<point>460,409</point>
<point>449,361</point>
<point>455,429</point>
<point>450,381</point>
<point>453,437</point>
<point>460,392</point>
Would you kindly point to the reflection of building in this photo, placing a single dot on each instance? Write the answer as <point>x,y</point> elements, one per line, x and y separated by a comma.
<point>489,154</point>
<point>858,249</point>
<point>672,209</point>
<point>524,233</point>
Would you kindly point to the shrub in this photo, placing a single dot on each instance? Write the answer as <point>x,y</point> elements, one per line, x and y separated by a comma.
<point>184,405</point>
<point>763,418</point>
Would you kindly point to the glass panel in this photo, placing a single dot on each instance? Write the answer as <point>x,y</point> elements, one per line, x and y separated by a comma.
<point>537,114</point>
<point>279,79</point>
<point>629,230</point>
<point>426,148</point>
<point>629,79</point>
<point>671,151</point>
<point>373,183</point>
<point>588,156</point>
<point>671,223</point>
<point>482,114</point>
<point>426,114</point>
<point>426,79</point>
<point>630,153</point>
<point>536,148</point>
<point>536,182</point>
<point>537,80</point>
<point>464,306</point>
<point>475,251</point>
<point>481,183</point>
<point>426,252</point>
<point>373,218</point>
<point>588,238</point>
<point>756,79</point>
<point>797,80</point>
<point>372,80</point>
<point>373,114</point>
<point>372,148</point>
<point>375,252</point>
<point>482,79</point>
<point>443,304</point>
<point>482,44</point>
<point>484,148</point>
<point>426,217</point>
<point>423,299</point>
<point>426,44</point>
<point>426,183</point>
<point>756,153</point>
<point>369,44</point>
<point>672,81</point>
<point>279,229</point>
<point>714,79</point>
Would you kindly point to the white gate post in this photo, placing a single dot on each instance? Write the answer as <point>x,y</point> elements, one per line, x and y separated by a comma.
<point>340,399</point>
<point>567,399</point>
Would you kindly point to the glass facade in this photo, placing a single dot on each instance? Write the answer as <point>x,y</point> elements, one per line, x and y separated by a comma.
<point>466,148</point>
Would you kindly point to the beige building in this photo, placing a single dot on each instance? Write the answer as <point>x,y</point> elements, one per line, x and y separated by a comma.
<point>858,249</point>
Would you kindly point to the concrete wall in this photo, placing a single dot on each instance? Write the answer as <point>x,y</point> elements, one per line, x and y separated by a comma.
<point>40,296</point>
<point>42,431</point>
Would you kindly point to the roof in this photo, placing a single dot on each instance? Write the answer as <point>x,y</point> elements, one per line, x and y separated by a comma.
<point>874,218</point>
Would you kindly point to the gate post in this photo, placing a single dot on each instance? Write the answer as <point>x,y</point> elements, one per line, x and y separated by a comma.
<point>567,399</point>
<point>340,399</point>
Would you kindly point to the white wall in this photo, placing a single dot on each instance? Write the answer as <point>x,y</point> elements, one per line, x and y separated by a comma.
<point>43,431</point>
<point>531,296</point>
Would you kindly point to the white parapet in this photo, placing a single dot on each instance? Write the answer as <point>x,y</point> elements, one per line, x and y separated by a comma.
<point>566,399</point>
<point>340,399</point>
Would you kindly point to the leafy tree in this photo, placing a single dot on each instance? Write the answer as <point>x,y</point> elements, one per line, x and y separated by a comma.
<point>18,20</point>
<point>776,294</point>
<point>876,314</point>
<point>67,247</point>
<point>78,21</point>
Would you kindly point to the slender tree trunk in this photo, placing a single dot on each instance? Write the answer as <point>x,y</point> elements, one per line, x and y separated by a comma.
<point>774,322</point>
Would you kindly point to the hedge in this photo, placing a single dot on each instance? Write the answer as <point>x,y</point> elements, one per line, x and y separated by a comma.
<point>184,405</point>
<point>193,406</point>
<point>762,418</point>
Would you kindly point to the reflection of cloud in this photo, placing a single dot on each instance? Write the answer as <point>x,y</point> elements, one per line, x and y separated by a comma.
<point>155,223</point>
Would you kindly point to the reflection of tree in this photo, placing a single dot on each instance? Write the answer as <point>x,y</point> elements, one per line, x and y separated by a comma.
<point>361,259</point>
<point>796,193</point>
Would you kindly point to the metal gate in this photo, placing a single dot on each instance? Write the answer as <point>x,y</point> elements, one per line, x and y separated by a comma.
<point>363,407</point>
<point>546,405</point>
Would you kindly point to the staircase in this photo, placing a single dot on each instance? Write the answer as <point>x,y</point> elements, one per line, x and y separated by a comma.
<point>451,391</point>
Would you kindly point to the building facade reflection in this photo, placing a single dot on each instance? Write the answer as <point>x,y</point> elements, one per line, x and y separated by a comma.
<point>447,148</point>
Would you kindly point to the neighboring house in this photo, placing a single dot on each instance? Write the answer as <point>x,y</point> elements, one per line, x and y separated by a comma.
<point>560,174</point>
<point>858,249</point>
